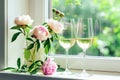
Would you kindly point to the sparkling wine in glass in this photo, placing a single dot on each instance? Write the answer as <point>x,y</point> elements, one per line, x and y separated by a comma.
<point>66,40</point>
<point>84,39</point>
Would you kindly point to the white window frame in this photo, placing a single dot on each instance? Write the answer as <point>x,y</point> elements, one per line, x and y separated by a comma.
<point>92,63</point>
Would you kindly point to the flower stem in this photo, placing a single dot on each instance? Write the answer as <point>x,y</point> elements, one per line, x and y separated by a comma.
<point>34,52</point>
<point>26,35</point>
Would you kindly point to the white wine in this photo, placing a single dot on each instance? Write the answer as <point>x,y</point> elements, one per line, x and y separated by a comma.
<point>84,43</point>
<point>66,43</point>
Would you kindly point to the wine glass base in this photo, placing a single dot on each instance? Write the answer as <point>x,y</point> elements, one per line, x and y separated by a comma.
<point>83,75</point>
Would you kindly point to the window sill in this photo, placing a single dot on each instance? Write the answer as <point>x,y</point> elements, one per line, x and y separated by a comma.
<point>24,76</point>
<point>95,75</point>
<point>101,75</point>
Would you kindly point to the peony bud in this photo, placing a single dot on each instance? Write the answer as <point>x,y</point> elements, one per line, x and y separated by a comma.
<point>41,33</point>
<point>49,67</point>
<point>23,20</point>
<point>56,26</point>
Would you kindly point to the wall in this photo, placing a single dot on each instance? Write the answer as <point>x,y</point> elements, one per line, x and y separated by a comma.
<point>2,38</point>
<point>15,49</point>
<point>39,11</point>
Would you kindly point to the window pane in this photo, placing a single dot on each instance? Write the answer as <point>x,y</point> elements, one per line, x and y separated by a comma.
<point>106,17</point>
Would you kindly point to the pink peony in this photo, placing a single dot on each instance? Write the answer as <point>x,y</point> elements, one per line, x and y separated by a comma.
<point>56,26</point>
<point>41,32</point>
<point>49,67</point>
<point>23,20</point>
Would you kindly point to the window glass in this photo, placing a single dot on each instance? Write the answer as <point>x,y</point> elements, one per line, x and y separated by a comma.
<point>106,17</point>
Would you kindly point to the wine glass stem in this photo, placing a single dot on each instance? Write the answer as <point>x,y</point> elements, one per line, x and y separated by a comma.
<point>84,57</point>
<point>66,60</point>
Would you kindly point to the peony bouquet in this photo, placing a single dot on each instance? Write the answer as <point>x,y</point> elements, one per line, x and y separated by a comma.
<point>36,37</point>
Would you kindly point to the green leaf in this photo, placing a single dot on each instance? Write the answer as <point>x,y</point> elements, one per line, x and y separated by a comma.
<point>60,69</point>
<point>27,30</point>
<point>47,42</point>
<point>27,54</point>
<point>38,44</point>
<point>31,67</point>
<point>20,30</point>
<point>30,27</point>
<point>24,66</point>
<point>52,39</point>
<point>8,68</point>
<point>47,46</point>
<point>46,49</point>
<point>15,36</point>
<point>39,62</point>
<point>18,63</point>
<point>15,27</point>
<point>35,71</point>
<point>11,69</point>
<point>56,36</point>
<point>30,39</point>
<point>30,46</point>
<point>44,23</point>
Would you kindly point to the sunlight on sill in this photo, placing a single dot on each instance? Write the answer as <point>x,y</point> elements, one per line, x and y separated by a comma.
<point>94,75</point>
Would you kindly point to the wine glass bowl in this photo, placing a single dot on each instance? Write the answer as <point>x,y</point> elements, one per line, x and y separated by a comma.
<point>67,43</point>
<point>84,43</point>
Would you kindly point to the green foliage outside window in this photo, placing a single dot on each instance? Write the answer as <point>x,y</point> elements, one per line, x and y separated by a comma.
<point>106,12</point>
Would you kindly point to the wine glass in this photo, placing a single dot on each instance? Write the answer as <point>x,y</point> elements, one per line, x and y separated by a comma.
<point>67,40</point>
<point>84,38</point>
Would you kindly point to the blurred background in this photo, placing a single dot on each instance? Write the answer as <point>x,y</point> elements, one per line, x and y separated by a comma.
<point>106,22</point>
